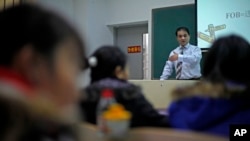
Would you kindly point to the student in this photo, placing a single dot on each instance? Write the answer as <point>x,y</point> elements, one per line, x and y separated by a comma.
<point>40,57</point>
<point>222,98</point>
<point>108,66</point>
<point>185,59</point>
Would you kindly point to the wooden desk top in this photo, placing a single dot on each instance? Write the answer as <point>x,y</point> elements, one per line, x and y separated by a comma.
<point>155,134</point>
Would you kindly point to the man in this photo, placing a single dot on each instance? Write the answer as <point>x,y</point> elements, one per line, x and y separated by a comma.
<point>185,58</point>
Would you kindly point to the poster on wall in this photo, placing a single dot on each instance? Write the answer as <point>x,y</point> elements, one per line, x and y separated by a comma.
<point>134,49</point>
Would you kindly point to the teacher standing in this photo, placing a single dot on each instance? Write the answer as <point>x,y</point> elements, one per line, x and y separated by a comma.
<point>185,59</point>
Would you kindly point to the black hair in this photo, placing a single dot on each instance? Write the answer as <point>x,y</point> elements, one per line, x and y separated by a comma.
<point>227,60</point>
<point>108,58</point>
<point>182,28</point>
<point>29,24</point>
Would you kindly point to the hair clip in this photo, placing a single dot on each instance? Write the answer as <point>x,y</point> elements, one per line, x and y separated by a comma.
<point>92,61</point>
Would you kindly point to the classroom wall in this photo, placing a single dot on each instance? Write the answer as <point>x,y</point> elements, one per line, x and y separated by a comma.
<point>64,7</point>
<point>75,11</point>
<point>128,11</point>
<point>95,15</point>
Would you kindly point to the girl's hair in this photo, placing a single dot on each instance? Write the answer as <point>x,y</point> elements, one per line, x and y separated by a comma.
<point>227,60</point>
<point>31,24</point>
<point>104,61</point>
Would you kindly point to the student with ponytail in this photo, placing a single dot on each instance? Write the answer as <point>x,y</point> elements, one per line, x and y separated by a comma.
<point>108,66</point>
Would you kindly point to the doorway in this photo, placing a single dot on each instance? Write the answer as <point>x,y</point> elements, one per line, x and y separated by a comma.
<point>133,36</point>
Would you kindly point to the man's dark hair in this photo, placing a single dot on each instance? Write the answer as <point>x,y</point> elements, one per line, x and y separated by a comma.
<point>182,28</point>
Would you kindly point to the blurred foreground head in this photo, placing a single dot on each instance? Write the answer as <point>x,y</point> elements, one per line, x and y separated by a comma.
<point>227,60</point>
<point>41,50</point>
<point>225,71</point>
<point>225,67</point>
<point>40,57</point>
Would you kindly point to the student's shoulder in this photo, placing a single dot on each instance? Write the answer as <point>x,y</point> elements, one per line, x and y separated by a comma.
<point>198,89</point>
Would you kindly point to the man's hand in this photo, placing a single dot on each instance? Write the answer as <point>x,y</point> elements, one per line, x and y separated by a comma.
<point>173,57</point>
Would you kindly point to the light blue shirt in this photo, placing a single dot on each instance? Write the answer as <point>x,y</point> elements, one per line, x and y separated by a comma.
<point>190,63</point>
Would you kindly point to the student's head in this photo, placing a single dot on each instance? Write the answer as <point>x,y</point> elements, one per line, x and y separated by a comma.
<point>108,62</point>
<point>43,48</point>
<point>182,35</point>
<point>227,60</point>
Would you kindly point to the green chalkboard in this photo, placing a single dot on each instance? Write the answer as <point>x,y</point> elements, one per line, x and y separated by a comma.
<point>164,23</point>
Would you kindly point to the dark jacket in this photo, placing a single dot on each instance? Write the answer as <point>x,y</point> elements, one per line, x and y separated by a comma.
<point>202,111</point>
<point>127,94</point>
<point>22,120</point>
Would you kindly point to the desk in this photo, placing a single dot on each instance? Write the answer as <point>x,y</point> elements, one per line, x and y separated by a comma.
<point>158,92</point>
<point>155,134</point>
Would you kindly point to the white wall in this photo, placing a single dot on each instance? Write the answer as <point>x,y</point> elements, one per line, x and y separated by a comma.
<point>97,31</point>
<point>126,11</point>
<point>64,7</point>
<point>93,16</point>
